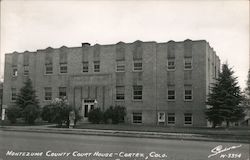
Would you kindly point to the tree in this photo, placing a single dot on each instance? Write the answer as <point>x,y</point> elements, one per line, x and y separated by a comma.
<point>246,100</point>
<point>27,99</point>
<point>224,99</point>
<point>27,95</point>
<point>247,90</point>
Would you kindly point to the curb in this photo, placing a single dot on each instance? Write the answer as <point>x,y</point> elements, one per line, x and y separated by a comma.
<point>135,134</point>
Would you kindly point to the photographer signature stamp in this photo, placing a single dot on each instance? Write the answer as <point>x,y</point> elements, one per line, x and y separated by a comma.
<point>226,152</point>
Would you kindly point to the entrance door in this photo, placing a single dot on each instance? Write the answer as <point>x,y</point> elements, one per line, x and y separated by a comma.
<point>87,105</point>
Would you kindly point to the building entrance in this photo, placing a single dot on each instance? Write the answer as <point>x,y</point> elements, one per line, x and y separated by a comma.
<point>87,105</point>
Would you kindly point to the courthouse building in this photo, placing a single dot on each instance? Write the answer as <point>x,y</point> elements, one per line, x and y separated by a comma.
<point>158,83</point>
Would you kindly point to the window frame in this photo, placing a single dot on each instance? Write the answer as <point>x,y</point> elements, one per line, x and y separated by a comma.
<point>26,70</point>
<point>138,117</point>
<point>59,92</point>
<point>46,96</point>
<point>168,95</point>
<point>85,67</point>
<point>190,61</point>
<point>171,115</point>
<point>120,64</point>
<point>137,69</point>
<point>63,67</point>
<point>188,115</point>
<point>134,95</point>
<point>168,61</point>
<point>120,94</point>
<point>97,63</point>
<point>188,88</point>
<point>50,65</point>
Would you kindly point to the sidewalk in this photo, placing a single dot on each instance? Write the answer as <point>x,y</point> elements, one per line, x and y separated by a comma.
<point>136,134</point>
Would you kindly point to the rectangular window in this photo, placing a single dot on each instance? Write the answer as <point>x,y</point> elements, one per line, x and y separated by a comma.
<point>171,64</point>
<point>13,94</point>
<point>137,117</point>
<point>26,70</point>
<point>47,93</point>
<point>188,119</point>
<point>188,63</point>
<point>120,92</point>
<point>85,66</point>
<point>96,66</point>
<point>171,93</point>
<point>137,92</point>
<point>171,118</point>
<point>63,68</point>
<point>48,69</point>
<point>62,92</point>
<point>120,66</point>
<point>137,65</point>
<point>14,72</point>
<point>188,93</point>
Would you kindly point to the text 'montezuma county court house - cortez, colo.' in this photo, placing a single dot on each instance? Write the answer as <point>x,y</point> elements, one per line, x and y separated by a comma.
<point>158,83</point>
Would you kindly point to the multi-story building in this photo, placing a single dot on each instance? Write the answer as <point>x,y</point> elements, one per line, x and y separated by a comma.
<point>158,83</point>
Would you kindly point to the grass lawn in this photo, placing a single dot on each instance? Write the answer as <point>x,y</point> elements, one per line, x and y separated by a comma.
<point>22,123</point>
<point>234,132</point>
<point>237,131</point>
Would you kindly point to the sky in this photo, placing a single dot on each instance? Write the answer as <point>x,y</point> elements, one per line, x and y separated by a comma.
<point>31,25</point>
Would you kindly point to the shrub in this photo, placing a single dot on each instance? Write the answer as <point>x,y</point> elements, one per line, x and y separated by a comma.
<point>115,114</point>
<point>108,115</point>
<point>95,116</point>
<point>47,113</point>
<point>57,112</point>
<point>78,115</point>
<point>119,114</point>
<point>31,113</point>
<point>13,113</point>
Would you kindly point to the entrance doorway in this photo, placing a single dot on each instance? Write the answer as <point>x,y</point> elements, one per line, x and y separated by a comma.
<point>87,106</point>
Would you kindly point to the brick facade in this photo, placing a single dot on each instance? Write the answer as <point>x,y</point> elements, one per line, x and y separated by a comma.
<point>117,74</point>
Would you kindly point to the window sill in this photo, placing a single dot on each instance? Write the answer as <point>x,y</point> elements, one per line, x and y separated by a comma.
<point>188,69</point>
<point>117,100</point>
<point>137,123</point>
<point>137,100</point>
<point>137,70</point>
<point>170,124</point>
<point>48,74</point>
<point>188,100</point>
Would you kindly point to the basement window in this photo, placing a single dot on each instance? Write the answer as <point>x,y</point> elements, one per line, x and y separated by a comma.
<point>137,117</point>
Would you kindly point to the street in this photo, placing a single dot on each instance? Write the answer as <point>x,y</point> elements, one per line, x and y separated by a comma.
<point>42,146</point>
